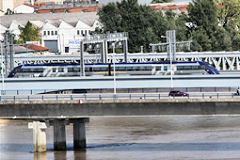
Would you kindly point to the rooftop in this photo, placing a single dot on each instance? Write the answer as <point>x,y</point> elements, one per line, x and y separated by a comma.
<point>71,18</point>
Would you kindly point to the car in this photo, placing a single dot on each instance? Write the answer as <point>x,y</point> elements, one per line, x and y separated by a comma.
<point>177,93</point>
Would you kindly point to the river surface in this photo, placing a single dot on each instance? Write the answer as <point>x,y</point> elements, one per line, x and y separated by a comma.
<point>150,138</point>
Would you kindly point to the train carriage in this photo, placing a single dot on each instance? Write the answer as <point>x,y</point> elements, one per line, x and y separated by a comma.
<point>104,69</point>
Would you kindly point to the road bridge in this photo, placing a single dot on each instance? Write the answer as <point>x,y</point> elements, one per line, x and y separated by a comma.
<point>220,60</point>
<point>61,113</point>
<point>96,82</point>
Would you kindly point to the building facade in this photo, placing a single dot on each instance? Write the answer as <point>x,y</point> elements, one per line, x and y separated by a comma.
<point>60,32</point>
<point>11,4</point>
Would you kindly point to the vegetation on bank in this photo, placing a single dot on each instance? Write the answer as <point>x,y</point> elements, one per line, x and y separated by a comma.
<point>212,25</point>
<point>29,33</point>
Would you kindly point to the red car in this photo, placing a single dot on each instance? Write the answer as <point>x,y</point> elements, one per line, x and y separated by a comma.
<point>178,94</point>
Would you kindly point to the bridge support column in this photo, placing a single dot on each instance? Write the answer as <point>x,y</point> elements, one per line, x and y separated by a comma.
<point>79,133</point>
<point>39,136</point>
<point>59,134</point>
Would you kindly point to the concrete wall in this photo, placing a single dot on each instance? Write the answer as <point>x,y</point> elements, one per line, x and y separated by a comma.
<point>70,109</point>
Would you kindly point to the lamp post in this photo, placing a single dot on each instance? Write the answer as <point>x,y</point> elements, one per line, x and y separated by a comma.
<point>171,65</point>
<point>2,71</point>
<point>114,72</point>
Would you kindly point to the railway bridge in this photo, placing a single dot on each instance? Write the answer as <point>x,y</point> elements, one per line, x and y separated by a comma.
<point>61,113</point>
<point>222,61</point>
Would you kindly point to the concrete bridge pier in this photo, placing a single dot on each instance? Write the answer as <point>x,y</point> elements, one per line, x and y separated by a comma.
<point>79,133</point>
<point>59,134</point>
<point>39,136</point>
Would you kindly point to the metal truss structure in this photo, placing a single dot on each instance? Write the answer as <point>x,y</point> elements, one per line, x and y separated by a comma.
<point>220,60</point>
<point>102,42</point>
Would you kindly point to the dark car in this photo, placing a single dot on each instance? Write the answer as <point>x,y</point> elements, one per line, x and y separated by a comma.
<point>178,94</point>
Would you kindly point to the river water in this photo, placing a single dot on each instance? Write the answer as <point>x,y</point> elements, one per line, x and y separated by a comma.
<point>149,138</point>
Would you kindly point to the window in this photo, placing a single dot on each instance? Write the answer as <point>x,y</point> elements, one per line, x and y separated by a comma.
<point>78,32</point>
<point>66,49</point>
<point>99,69</point>
<point>48,32</point>
<point>52,33</point>
<point>56,32</point>
<point>82,33</point>
<point>44,33</point>
<point>61,70</point>
<point>75,69</point>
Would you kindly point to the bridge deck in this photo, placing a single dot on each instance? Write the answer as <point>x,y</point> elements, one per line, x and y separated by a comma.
<point>72,109</point>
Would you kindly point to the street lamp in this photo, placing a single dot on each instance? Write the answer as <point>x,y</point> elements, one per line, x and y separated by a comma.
<point>114,71</point>
<point>2,71</point>
<point>171,65</point>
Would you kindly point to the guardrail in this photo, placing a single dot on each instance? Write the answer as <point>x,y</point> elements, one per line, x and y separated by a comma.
<point>119,90</point>
<point>128,96</point>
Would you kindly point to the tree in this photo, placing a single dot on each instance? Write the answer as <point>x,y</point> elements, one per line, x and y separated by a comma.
<point>229,13</point>
<point>177,22</point>
<point>29,33</point>
<point>201,41</point>
<point>229,18</point>
<point>203,14</point>
<point>203,26</point>
<point>143,24</point>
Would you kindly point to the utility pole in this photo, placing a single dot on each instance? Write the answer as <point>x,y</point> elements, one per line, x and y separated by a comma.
<point>171,49</point>
<point>2,70</point>
<point>8,52</point>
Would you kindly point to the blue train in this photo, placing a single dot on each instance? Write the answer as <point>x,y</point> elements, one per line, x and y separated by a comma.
<point>106,69</point>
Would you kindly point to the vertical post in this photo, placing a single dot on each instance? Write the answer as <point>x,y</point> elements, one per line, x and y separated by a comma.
<point>171,50</point>
<point>153,48</point>
<point>105,58</point>
<point>39,136</point>
<point>6,44</point>
<point>141,49</point>
<point>103,51</point>
<point>59,134</point>
<point>2,70</point>
<point>82,70</point>
<point>79,133</point>
<point>11,49</point>
<point>114,71</point>
<point>125,50</point>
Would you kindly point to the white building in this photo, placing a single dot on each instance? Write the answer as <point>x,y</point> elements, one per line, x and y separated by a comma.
<point>14,28</point>
<point>2,31</point>
<point>62,32</point>
<point>63,37</point>
<point>23,9</point>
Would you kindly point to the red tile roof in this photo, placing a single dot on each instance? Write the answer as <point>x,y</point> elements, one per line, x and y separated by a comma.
<point>74,9</point>
<point>36,47</point>
<point>182,7</point>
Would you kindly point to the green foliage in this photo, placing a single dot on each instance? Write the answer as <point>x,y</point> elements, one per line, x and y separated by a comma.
<point>229,13</point>
<point>212,25</point>
<point>178,23</point>
<point>201,41</point>
<point>229,18</point>
<point>204,27</point>
<point>161,1</point>
<point>29,33</point>
<point>203,14</point>
<point>143,24</point>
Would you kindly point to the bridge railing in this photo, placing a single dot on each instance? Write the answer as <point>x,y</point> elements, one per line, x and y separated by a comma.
<point>119,90</point>
<point>72,97</point>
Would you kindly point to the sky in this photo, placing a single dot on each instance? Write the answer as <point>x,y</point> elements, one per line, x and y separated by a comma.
<point>140,1</point>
